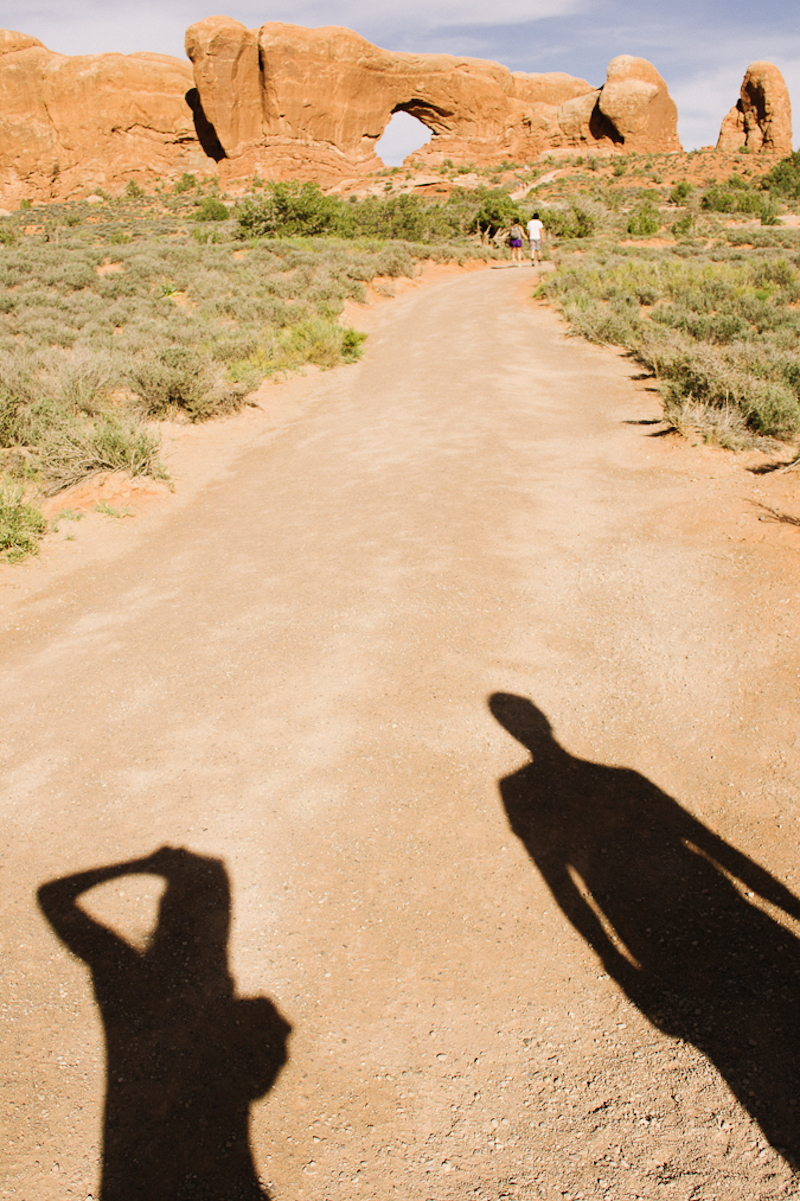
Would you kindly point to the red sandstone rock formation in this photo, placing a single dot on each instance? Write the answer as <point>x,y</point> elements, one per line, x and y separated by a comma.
<point>636,103</point>
<point>761,119</point>
<point>293,103</point>
<point>69,125</point>
<point>312,103</point>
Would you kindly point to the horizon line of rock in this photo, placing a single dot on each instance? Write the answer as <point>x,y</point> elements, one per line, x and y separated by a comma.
<point>286,102</point>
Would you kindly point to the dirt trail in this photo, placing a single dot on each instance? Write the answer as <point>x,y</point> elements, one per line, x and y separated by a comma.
<point>290,670</point>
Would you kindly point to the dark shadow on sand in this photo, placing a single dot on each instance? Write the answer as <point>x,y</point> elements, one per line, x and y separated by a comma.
<point>185,1056</point>
<point>672,912</point>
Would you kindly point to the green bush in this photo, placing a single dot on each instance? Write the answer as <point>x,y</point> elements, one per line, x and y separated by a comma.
<point>211,209</point>
<point>288,208</point>
<point>680,192</point>
<point>644,221</point>
<point>784,178</point>
<point>497,210</point>
<point>186,183</point>
<point>736,198</point>
<point>683,227</point>
<point>21,525</point>
<point>770,214</point>
<point>572,222</point>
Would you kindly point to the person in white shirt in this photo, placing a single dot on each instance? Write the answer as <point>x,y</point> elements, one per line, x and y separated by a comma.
<point>535,230</point>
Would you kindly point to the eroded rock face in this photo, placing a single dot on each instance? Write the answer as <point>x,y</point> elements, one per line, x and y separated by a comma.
<point>326,96</point>
<point>291,102</point>
<point>69,125</point>
<point>639,109</point>
<point>761,119</point>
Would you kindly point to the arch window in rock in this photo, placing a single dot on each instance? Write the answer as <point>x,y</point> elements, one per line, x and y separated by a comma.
<point>402,136</point>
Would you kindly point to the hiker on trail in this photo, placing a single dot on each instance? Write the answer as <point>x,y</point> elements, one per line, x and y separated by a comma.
<point>515,236</point>
<point>535,230</point>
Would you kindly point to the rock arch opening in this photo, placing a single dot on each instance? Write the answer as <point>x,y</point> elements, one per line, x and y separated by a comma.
<point>404,134</point>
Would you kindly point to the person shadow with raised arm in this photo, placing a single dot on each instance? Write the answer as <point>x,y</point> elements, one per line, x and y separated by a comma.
<point>671,910</point>
<point>185,1057</point>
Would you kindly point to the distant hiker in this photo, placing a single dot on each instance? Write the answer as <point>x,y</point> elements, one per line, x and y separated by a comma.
<point>535,230</point>
<point>515,236</point>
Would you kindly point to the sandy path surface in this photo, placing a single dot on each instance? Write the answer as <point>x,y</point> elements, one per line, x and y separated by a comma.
<point>512,969</point>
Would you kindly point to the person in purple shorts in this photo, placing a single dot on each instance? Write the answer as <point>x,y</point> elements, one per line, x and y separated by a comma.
<point>515,236</point>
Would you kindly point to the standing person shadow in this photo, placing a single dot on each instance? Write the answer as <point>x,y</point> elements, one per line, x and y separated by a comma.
<point>185,1057</point>
<point>665,904</point>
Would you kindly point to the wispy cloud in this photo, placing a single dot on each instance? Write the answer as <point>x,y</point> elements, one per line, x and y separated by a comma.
<point>420,14</point>
<point>90,27</point>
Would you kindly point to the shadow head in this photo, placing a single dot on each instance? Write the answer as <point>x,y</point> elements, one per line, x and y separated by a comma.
<point>523,721</point>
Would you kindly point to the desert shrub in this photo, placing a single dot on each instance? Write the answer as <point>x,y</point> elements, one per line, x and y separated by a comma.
<point>784,178</point>
<point>680,192</point>
<point>175,379</point>
<point>82,383</point>
<point>683,227</point>
<point>95,340</point>
<point>70,452</point>
<point>721,335</point>
<point>211,209</point>
<point>606,325</point>
<point>21,525</point>
<point>186,183</point>
<point>644,221</point>
<point>572,222</point>
<point>320,341</point>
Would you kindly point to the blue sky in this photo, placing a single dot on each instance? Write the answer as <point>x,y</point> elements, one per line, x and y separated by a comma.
<point>701,47</point>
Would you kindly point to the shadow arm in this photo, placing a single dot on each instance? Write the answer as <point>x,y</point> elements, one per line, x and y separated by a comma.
<point>743,868</point>
<point>87,938</point>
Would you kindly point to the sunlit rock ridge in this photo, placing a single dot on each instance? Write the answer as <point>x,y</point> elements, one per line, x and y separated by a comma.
<point>285,102</point>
